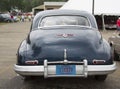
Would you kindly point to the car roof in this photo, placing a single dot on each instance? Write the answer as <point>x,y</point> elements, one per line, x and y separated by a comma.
<point>43,14</point>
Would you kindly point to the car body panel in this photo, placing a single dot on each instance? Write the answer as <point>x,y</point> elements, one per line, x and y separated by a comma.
<point>46,45</point>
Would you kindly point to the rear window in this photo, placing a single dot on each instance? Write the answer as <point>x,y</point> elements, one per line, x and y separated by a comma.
<point>64,20</point>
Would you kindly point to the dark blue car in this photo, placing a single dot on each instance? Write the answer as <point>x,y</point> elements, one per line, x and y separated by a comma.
<point>64,43</point>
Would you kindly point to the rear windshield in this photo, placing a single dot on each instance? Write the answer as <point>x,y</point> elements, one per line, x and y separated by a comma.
<point>64,20</point>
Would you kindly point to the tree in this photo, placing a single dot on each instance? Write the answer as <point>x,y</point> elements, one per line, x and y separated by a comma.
<point>29,4</point>
<point>24,5</point>
<point>57,0</point>
<point>7,5</point>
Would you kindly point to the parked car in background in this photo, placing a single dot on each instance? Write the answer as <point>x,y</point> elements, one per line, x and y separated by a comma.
<point>5,18</point>
<point>64,43</point>
<point>16,19</point>
<point>1,18</point>
<point>114,41</point>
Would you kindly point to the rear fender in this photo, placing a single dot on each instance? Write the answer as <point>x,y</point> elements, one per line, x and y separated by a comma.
<point>22,51</point>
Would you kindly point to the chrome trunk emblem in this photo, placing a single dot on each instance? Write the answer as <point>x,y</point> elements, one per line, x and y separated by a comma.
<point>65,35</point>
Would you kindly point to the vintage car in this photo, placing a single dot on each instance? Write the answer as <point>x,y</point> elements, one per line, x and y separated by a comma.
<point>65,43</point>
<point>114,41</point>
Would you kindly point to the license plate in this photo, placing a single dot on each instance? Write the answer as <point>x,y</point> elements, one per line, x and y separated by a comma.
<point>65,69</point>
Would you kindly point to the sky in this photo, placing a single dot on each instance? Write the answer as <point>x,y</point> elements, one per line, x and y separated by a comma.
<point>101,6</point>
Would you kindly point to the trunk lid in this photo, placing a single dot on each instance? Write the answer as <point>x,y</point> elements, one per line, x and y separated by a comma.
<point>79,45</point>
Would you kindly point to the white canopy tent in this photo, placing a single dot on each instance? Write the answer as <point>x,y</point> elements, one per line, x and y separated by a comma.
<point>78,5</point>
<point>100,6</point>
<point>97,7</point>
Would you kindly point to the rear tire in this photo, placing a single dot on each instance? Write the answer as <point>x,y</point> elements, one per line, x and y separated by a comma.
<point>116,56</point>
<point>27,78</point>
<point>100,77</point>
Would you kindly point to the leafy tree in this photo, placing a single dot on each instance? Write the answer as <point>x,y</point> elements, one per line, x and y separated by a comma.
<point>29,4</point>
<point>24,5</point>
<point>7,5</point>
<point>57,0</point>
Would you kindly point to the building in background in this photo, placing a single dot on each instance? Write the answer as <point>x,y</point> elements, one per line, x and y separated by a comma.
<point>48,6</point>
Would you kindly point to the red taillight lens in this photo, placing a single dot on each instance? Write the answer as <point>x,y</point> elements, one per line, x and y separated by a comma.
<point>31,62</point>
<point>98,61</point>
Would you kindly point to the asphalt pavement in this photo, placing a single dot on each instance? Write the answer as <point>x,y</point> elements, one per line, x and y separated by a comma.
<point>11,35</point>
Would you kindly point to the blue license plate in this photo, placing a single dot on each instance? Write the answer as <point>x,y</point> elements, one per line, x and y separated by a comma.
<point>65,69</point>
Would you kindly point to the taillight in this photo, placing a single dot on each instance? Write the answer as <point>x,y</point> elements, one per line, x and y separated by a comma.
<point>31,62</point>
<point>98,61</point>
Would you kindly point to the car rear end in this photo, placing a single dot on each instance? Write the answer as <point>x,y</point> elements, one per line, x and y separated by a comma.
<point>64,45</point>
<point>54,54</point>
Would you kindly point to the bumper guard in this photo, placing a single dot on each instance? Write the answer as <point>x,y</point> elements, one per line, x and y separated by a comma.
<point>83,65</point>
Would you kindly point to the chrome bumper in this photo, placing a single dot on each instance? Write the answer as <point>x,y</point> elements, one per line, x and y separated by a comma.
<point>49,69</point>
